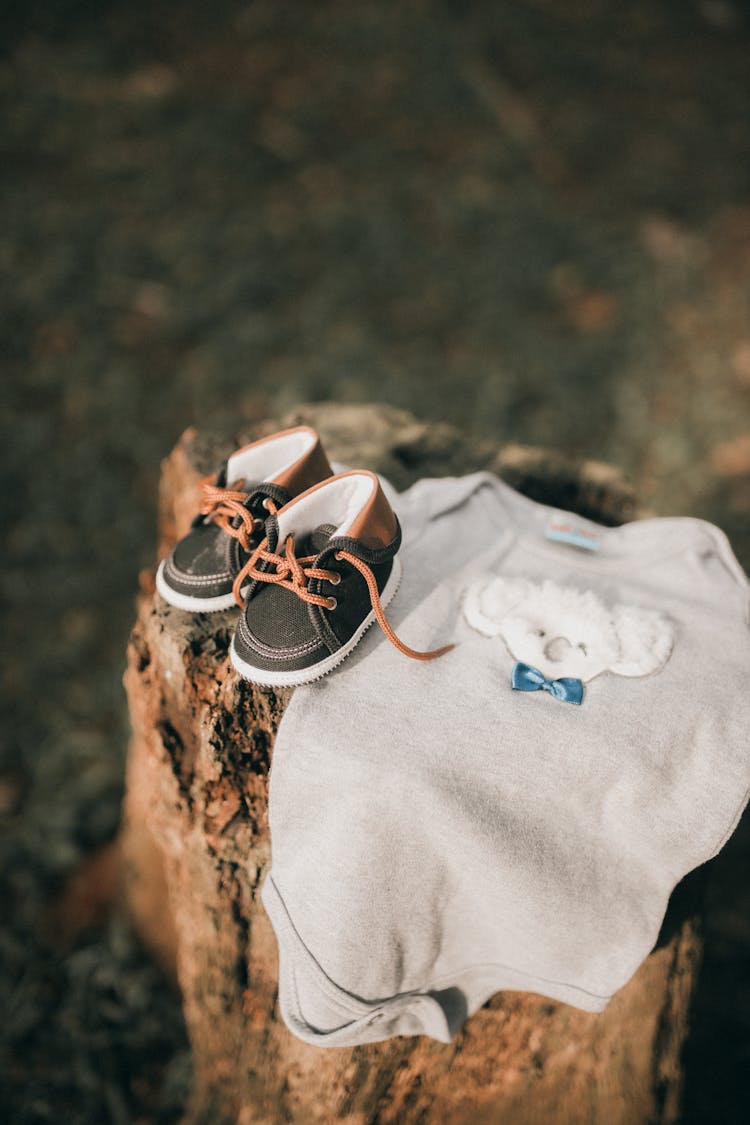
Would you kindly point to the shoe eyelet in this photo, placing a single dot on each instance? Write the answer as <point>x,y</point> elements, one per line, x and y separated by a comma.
<point>335,578</point>
<point>331,603</point>
<point>265,504</point>
<point>339,557</point>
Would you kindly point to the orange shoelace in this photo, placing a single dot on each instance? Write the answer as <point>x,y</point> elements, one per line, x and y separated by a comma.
<point>225,505</point>
<point>294,573</point>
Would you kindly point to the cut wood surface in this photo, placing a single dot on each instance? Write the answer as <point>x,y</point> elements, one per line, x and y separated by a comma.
<point>196,847</point>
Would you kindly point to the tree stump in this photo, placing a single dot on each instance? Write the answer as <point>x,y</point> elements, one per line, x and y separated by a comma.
<point>196,846</point>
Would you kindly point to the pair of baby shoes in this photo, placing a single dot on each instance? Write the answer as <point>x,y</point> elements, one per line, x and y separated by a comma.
<point>309,555</point>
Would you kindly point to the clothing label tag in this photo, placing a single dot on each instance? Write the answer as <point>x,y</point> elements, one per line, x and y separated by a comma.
<point>564,528</point>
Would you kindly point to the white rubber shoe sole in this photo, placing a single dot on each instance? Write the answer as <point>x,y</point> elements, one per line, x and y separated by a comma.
<point>266,677</point>
<point>192,604</point>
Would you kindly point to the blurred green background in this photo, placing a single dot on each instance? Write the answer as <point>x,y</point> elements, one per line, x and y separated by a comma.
<point>531,219</point>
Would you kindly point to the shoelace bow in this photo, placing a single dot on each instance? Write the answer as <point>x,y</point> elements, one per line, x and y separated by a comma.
<point>294,573</point>
<point>225,505</point>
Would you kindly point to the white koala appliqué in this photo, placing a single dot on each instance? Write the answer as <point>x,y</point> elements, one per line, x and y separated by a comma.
<point>563,631</point>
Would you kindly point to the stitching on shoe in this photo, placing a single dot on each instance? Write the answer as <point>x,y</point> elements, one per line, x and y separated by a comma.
<point>244,633</point>
<point>195,580</point>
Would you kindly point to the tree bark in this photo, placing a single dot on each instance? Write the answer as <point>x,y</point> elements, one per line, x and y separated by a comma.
<point>195,845</point>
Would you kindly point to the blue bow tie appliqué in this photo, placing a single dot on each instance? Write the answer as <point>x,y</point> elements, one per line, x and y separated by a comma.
<point>568,689</point>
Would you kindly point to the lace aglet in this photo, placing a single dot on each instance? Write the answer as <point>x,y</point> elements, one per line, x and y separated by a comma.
<point>433,654</point>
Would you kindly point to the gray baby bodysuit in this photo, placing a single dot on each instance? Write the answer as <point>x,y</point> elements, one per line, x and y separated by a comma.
<point>439,835</point>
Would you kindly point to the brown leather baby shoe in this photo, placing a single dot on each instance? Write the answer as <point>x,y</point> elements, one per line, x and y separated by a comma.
<point>256,481</point>
<point>325,572</point>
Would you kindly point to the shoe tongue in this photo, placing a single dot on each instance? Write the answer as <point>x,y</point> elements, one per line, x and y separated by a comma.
<point>242,485</point>
<point>314,541</point>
